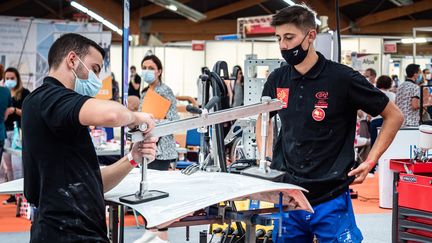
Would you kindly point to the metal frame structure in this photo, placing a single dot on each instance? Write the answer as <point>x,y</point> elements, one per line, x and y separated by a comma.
<point>252,94</point>
<point>415,30</point>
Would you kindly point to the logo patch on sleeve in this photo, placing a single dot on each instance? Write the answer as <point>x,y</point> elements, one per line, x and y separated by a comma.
<point>282,94</point>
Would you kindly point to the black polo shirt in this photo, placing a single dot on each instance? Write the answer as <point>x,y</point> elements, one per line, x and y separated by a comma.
<point>316,142</point>
<point>61,171</point>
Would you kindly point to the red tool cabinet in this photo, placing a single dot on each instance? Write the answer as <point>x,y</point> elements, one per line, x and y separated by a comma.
<point>412,201</point>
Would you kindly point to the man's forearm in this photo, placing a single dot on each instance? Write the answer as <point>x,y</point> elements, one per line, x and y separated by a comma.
<point>105,113</point>
<point>113,174</point>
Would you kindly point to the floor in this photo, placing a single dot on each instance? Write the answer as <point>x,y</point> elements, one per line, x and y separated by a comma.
<point>368,216</point>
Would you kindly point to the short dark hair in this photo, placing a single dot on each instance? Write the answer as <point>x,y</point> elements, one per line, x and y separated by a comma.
<point>384,82</point>
<point>156,60</point>
<point>412,69</point>
<point>132,67</point>
<point>302,16</point>
<point>426,69</point>
<point>372,71</point>
<point>67,43</point>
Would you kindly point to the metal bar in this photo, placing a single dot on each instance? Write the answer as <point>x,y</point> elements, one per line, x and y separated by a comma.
<point>250,232</point>
<point>121,215</point>
<point>114,229</point>
<point>207,120</point>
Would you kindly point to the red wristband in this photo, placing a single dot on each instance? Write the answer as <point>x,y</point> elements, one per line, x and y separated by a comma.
<point>372,164</point>
<point>131,160</point>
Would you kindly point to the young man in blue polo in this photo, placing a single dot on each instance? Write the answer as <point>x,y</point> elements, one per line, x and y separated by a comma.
<point>315,144</point>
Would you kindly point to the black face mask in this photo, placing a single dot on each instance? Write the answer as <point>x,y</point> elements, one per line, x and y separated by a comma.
<point>295,55</point>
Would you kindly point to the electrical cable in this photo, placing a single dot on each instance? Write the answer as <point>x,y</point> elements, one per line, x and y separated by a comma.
<point>215,231</point>
<point>239,238</point>
<point>226,232</point>
<point>267,236</point>
<point>234,235</point>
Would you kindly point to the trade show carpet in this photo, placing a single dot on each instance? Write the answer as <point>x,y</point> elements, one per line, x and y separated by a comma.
<point>368,215</point>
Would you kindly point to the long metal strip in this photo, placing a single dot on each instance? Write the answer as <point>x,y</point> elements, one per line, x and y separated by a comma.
<point>208,119</point>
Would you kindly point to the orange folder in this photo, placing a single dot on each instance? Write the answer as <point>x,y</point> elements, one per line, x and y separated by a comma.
<point>155,104</point>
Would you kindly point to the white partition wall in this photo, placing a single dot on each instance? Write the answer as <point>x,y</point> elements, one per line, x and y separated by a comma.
<point>221,50</point>
<point>182,68</point>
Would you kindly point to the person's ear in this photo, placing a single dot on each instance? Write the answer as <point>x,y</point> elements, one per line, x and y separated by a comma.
<point>71,59</point>
<point>312,36</point>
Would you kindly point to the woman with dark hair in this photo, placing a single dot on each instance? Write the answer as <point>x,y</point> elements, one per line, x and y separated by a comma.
<point>12,81</point>
<point>152,75</point>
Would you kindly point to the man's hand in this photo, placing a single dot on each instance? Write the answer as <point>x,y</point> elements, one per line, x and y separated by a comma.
<point>143,118</point>
<point>361,171</point>
<point>146,148</point>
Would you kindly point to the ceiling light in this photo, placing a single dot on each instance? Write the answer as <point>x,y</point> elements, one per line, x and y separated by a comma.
<point>172,7</point>
<point>99,18</point>
<point>411,40</point>
<point>181,9</point>
<point>290,2</point>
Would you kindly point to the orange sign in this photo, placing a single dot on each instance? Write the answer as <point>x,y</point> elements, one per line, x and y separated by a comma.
<point>105,92</point>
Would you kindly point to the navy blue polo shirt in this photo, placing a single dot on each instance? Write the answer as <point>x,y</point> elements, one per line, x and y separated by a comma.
<point>62,177</point>
<point>316,142</point>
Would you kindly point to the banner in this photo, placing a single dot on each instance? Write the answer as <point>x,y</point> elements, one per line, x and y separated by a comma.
<point>25,42</point>
<point>363,61</point>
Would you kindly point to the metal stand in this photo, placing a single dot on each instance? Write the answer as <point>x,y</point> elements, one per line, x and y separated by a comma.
<point>143,194</point>
<point>263,171</point>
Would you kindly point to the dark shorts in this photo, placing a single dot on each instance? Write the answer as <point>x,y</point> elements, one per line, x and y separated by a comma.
<point>333,221</point>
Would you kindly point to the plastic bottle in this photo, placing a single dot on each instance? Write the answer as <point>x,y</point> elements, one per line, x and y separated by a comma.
<point>16,140</point>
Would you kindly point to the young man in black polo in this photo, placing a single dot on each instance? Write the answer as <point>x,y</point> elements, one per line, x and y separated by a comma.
<point>315,144</point>
<point>61,171</point>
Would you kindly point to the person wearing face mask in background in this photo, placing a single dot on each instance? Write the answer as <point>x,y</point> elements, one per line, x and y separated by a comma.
<point>134,83</point>
<point>318,121</point>
<point>152,76</point>
<point>408,95</point>
<point>427,76</point>
<point>62,177</point>
<point>12,81</point>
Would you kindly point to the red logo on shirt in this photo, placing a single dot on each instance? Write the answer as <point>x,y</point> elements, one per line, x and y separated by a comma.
<point>322,95</point>
<point>318,114</point>
<point>282,94</point>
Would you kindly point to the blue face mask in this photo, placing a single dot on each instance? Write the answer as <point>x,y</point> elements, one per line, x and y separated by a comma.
<point>89,86</point>
<point>419,79</point>
<point>148,76</point>
<point>10,83</point>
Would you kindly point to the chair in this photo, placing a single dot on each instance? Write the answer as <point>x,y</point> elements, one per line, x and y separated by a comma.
<point>191,150</point>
